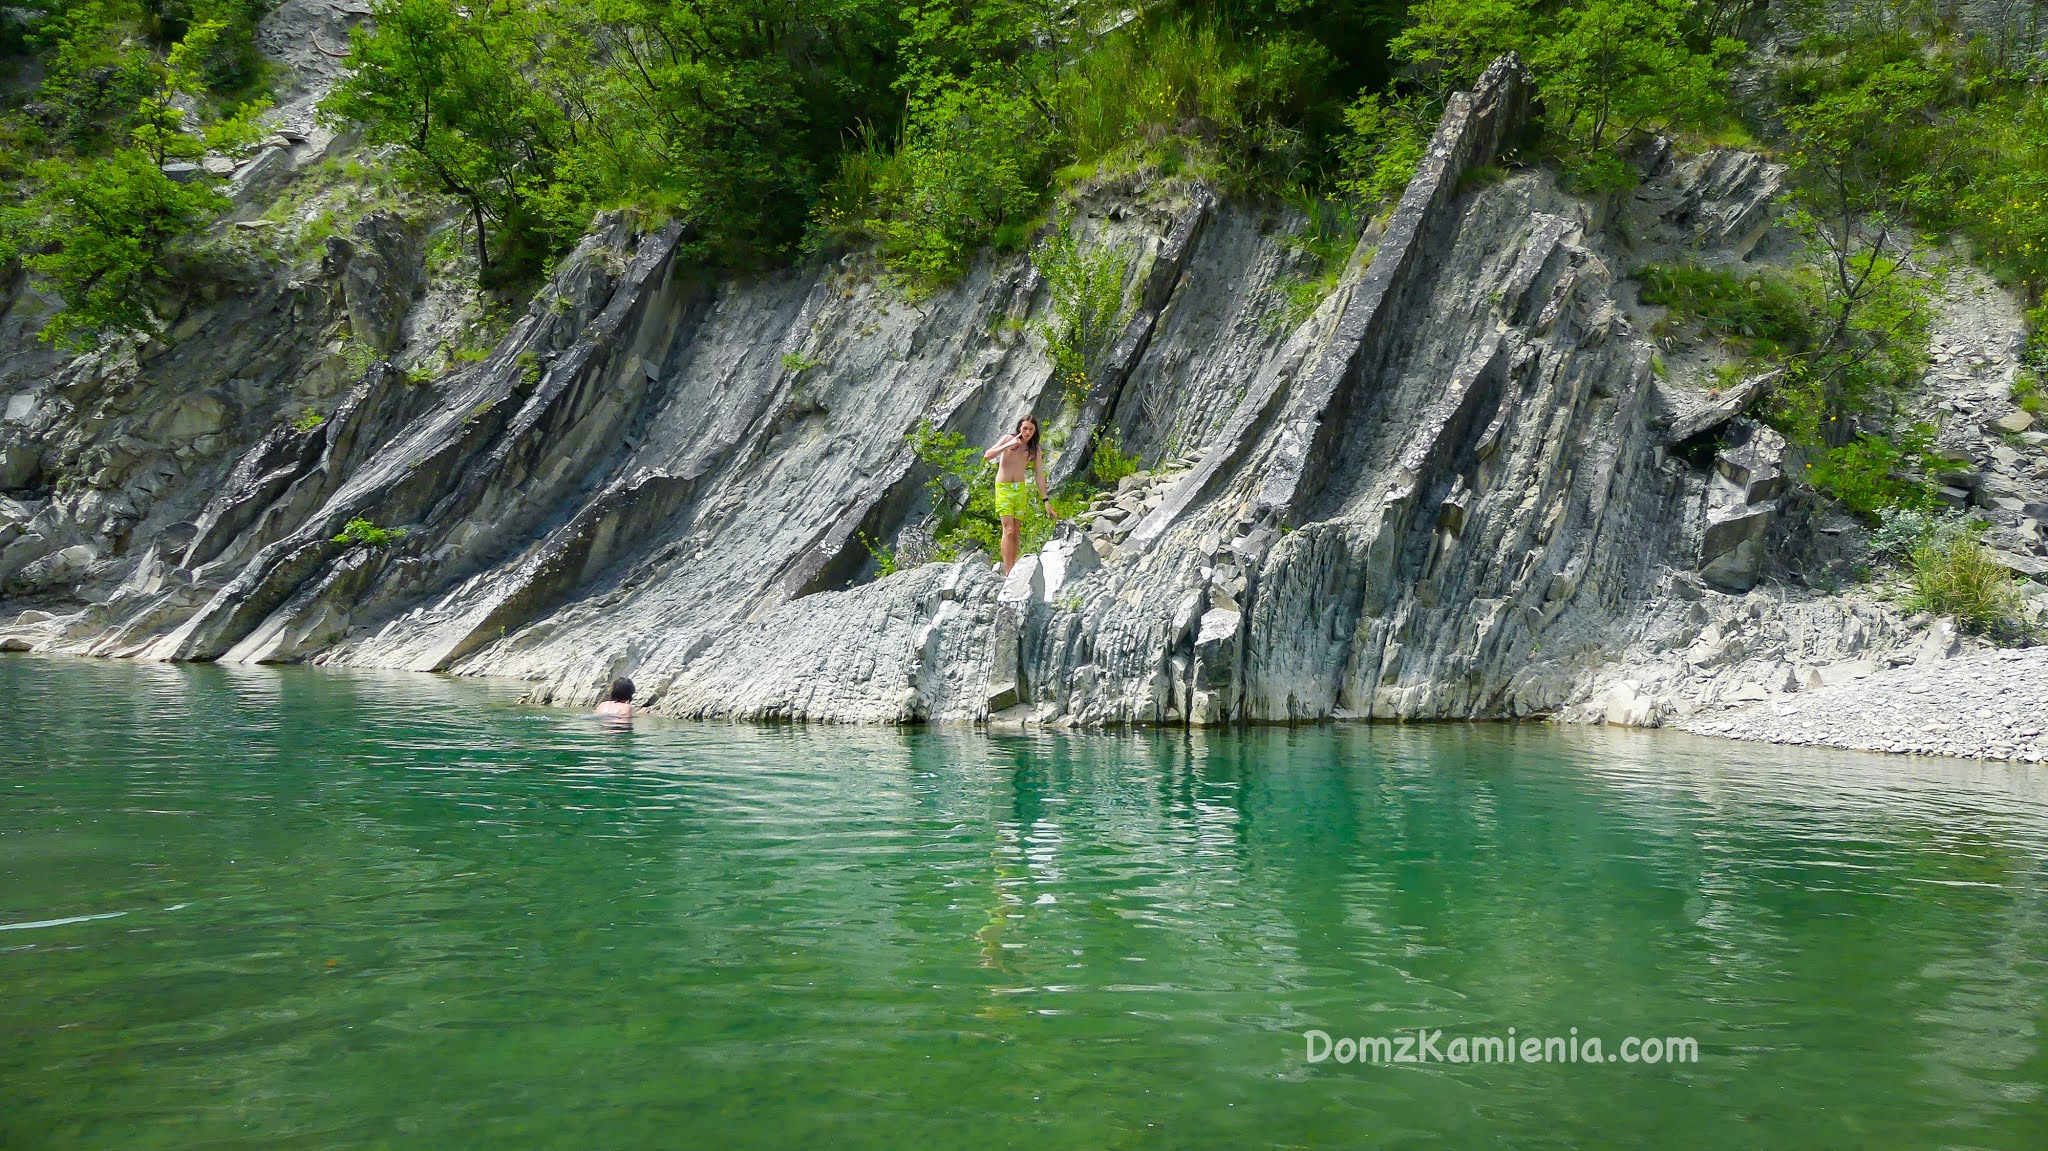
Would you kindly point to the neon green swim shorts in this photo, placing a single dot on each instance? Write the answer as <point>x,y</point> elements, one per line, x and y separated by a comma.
<point>1013,498</point>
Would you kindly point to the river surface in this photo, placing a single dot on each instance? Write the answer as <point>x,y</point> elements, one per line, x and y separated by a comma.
<point>281,908</point>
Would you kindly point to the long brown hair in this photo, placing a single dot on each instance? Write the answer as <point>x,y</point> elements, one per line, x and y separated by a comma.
<point>1030,445</point>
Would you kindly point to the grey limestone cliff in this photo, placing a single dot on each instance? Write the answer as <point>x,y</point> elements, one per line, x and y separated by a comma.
<point>1459,489</point>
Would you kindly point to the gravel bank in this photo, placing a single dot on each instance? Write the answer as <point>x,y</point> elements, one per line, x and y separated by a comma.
<point>1981,705</point>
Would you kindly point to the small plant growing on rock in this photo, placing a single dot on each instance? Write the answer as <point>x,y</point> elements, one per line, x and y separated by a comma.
<point>307,420</point>
<point>359,356</point>
<point>2026,392</point>
<point>885,556</point>
<point>1950,573</point>
<point>1110,462</point>
<point>1328,236</point>
<point>360,532</point>
<point>796,365</point>
<point>1087,295</point>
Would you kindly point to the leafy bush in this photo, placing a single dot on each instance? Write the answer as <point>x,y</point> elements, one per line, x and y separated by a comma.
<point>532,115</point>
<point>1868,474</point>
<point>105,234</point>
<point>1950,573</point>
<point>1767,310</point>
<point>972,166</point>
<point>1840,377</point>
<point>360,532</point>
<point>1110,462</point>
<point>1901,529</point>
<point>1086,290</point>
<point>1383,141</point>
<point>1187,90</point>
<point>1328,236</point>
<point>2026,392</point>
<point>94,213</point>
<point>1605,71</point>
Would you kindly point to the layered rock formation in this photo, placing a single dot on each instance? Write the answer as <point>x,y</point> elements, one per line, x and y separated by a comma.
<point>1458,489</point>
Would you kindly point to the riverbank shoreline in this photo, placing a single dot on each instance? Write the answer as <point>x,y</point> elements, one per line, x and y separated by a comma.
<point>1985,704</point>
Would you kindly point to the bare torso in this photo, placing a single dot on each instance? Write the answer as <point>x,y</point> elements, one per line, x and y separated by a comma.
<point>615,707</point>
<point>1012,466</point>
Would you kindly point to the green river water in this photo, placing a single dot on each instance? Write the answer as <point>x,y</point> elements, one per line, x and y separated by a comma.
<point>280,908</point>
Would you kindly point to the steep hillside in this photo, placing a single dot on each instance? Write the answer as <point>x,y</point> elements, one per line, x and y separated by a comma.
<point>1481,478</point>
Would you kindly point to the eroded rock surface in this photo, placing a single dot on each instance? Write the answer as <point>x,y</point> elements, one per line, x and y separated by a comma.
<point>1453,491</point>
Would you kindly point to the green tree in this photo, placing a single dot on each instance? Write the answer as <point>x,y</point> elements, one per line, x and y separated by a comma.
<point>107,228</point>
<point>104,233</point>
<point>726,112</point>
<point>1607,69</point>
<point>449,86</point>
<point>1863,154</point>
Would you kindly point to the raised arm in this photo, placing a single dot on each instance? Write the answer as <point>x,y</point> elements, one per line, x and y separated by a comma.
<point>1002,445</point>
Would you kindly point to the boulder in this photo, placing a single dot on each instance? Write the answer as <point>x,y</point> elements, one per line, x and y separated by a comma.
<point>2013,422</point>
<point>1026,582</point>
<point>1066,562</point>
<point>1940,642</point>
<point>1698,418</point>
<point>380,264</point>
<point>1627,705</point>
<point>1732,547</point>
<point>1756,466</point>
<point>2021,565</point>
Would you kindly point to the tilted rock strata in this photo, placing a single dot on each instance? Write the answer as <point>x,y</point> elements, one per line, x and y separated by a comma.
<point>1455,490</point>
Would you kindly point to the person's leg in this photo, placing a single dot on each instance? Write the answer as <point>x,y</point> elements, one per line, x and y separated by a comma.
<point>1013,538</point>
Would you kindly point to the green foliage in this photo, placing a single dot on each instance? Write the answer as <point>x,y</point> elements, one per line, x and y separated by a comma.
<point>796,364</point>
<point>2026,392</point>
<point>1605,71</point>
<point>1868,474</point>
<point>360,532</point>
<point>1767,310</point>
<point>1111,462</point>
<point>1383,141</point>
<point>1086,289</point>
<point>972,166</point>
<point>1834,378</point>
<point>1950,573</point>
<point>963,491</point>
<point>104,233</point>
<point>1860,150</point>
<point>359,356</point>
<point>1900,529</point>
<point>307,420</point>
<point>124,90</point>
<point>1188,91</point>
<point>535,114</point>
<point>927,128</point>
<point>1328,237</point>
<point>884,555</point>
<point>1002,95</point>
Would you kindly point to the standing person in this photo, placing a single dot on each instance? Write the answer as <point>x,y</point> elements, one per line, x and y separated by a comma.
<point>1013,453</point>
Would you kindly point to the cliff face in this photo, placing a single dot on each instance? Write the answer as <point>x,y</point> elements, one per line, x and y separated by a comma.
<point>1453,491</point>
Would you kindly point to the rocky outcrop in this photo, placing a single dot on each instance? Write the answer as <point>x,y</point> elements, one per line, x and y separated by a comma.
<point>1454,490</point>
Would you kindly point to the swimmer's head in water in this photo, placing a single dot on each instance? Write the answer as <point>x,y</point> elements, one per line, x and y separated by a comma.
<point>1030,438</point>
<point>622,690</point>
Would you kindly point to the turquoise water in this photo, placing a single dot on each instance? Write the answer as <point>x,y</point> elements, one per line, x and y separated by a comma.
<point>350,911</point>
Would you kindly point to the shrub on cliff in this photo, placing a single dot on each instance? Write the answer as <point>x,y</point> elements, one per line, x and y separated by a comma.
<point>1950,573</point>
<point>95,210</point>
